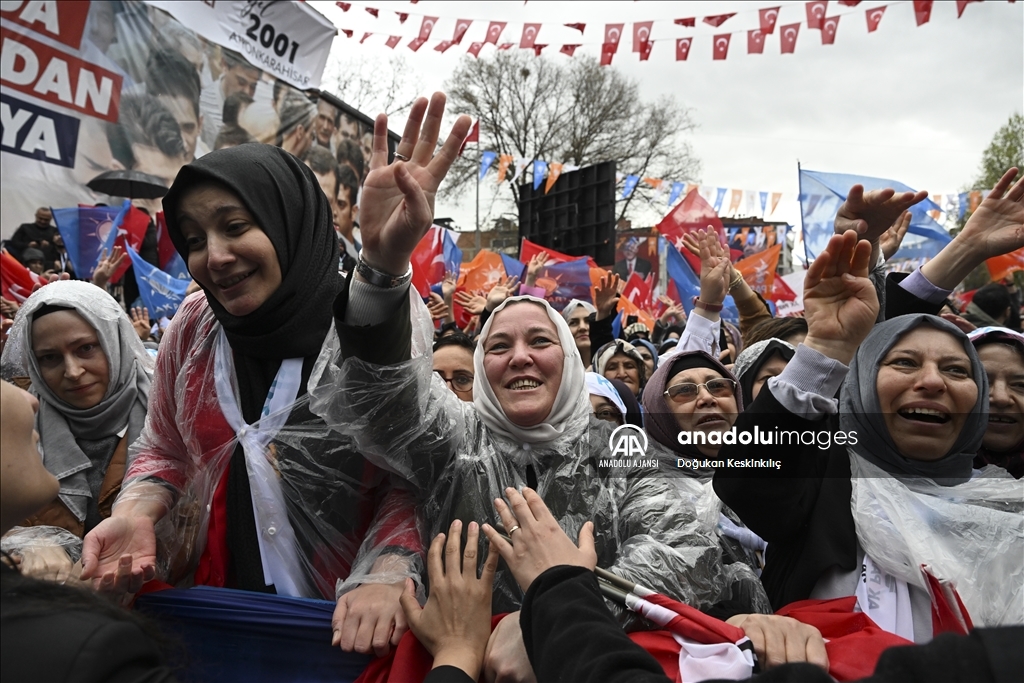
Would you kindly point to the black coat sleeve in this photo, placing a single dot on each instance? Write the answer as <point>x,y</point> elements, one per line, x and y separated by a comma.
<point>447,674</point>
<point>899,301</point>
<point>386,343</point>
<point>571,636</point>
<point>600,331</point>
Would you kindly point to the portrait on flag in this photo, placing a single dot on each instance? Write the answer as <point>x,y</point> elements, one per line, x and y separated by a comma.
<point>636,253</point>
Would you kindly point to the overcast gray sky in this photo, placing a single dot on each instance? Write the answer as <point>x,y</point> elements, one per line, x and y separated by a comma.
<point>914,103</point>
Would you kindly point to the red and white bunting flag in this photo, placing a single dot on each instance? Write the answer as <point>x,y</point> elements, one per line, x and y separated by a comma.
<point>474,49</point>
<point>816,13</point>
<point>461,26</point>
<point>494,30</point>
<point>416,43</point>
<point>961,4</point>
<point>787,37</point>
<point>755,41</point>
<point>923,11</point>
<point>828,30</point>
<point>347,31</point>
<point>443,46</point>
<point>768,18</point>
<point>718,19</point>
<point>393,41</point>
<point>607,52</point>
<point>529,35</point>
<point>613,34</point>
<point>641,34</point>
<point>578,27</point>
<point>365,36</point>
<point>874,17</point>
<point>506,46</point>
<point>849,3</point>
<point>689,21</point>
<point>372,11</point>
<point>645,50</point>
<point>683,48</point>
<point>568,49</point>
<point>721,46</point>
<point>537,48</point>
<point>402,16</point>
<point>345,6</point>
<point>426,27</point>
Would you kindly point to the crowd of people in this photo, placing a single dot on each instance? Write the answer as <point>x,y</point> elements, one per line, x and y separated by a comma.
<point>308,425</point>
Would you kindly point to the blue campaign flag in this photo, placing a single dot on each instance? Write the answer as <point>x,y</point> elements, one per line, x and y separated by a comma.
<point>821,194</point>
<point>677,189</point>
<point>540,169</point>
<point>570,280</point>
<point>629,185</point>
<point>513,266</point>
<point>962,199</point>
<point>764,202</point>
<point>719,198</point>
<point>176,267</point>
<point>452,254</point>
<point>161,292</point>
<point>486,159</point>
<point>87,231</point>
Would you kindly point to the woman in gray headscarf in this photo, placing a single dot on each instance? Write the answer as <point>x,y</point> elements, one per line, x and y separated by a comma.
<point>878,498</point>
<point>92,376</point>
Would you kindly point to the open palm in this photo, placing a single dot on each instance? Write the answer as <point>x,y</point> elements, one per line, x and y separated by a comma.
<point>997,226</point>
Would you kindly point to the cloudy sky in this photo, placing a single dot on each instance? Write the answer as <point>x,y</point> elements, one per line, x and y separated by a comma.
<point>914,103</point>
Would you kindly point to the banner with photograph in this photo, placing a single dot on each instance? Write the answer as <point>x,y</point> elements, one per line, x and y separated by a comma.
<point>753,239</point>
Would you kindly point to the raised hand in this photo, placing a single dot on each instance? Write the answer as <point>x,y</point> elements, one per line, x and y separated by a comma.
<point>474,303</point>
<point>140,321</point>
<point>501,291</point>
<point>890,240</point>
<point>397,202</point>
<point>870,214</point>
<point>840,303</point>
<point>538,543</point>
<point>107,266</point>
<point>715,267</point>
<point>606,295</point>
<point>437,307</point>
<point>533,268</point>
<point>448,285</point>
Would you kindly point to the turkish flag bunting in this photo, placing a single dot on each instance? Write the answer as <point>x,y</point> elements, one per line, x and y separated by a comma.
<point>755,41</point>
<point>347,31</point>
<point>365,36</point>
<point>345,6</point>
<point>828,30</point>
<point>768,18</point>
<point>607,52</point>
<point>374,12</point>
<point>849,3</point>
<point>691,22</point>
<point>874,17</point>
<point>537,48</point>
<point>474,135</point>
<point>787,37</point>
<point>416,43</point>
<point>612,34</point>
<point>816,13</point>
<point>961,4</point>
<point>637,291</point>
<point>578,27</point>
<point>474,49</point>
<point>568,49</point>
<point>683,48</point>
<point>506,46</point>
<point>426,27</point>
<point>529,35</point>
<point>645,50</point>
<point>922,11</point>
<point>443,46</point>
<point>721,46</point>
<point>392,41</point>
<point>402,16</point>
<point>641,34</point>
<point>718,19</point>
<point>461,26</point>
<point>494,30</point>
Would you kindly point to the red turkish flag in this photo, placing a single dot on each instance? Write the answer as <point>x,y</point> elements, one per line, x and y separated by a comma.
<point>641,34</point>
<point>131,232</point>
<point>537,49</point>
<point>506,46</point>
<point>529,35</point>
<point>16,281</point>
<point>874,17</point>
<point>365,36</point>
<point>693,213</point>
<point>849,3</point>
<point>755,41</point>
<point>961,4</point>
<point>578,27</point>
<point>347,31</point>
<point>345,6</point>
<point>402,16</point>
<point>528,249</point>
<point>428,261</point>
<point>415,44</point>
<point>494,30</point>
<point>721,46</point>
<point>781,291</point>
<point>637,292</point>
<point>691,22</point>
<point>607,52</point>
<point>645,50</point>
<point>568,49</point>
<point>787,36</point>
<point>718,19</point>
<point>374,12</point>
<point>922,11</point>
<point>426,27</point>
<point>474,49</point>
<point>816,13</point>
<point>828,30</point>
<point>683,48</point>
<point>461,26</point>
<point>443,46</point>
<point>768,18</point>
<point>613,34</point>
<point>392,41</point>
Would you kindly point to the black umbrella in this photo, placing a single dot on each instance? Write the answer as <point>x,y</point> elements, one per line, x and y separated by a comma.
<point>130,184</point>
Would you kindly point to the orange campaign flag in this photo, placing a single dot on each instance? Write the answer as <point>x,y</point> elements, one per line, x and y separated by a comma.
<point>734,200</point>
<point>628,308</point>
<point>759,270</point>
<point>1000,267</point>
<point>974,197</point>
<point>503,162</point>
<point>595,279</point>
<point>482,273</point>
<point>776,196</point>
<point>554,170</point>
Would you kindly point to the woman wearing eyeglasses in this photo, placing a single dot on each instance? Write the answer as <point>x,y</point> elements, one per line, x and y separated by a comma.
<point>453,363</point>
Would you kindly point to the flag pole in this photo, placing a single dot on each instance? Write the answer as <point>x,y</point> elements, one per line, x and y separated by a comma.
<point>479,159</point>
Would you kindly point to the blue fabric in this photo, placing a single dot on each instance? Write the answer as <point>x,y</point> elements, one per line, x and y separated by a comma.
<point>513,266</point>
<point>688,286</point>
<point>718,199</point>
<point>162,292</point>
<point>486,159</point>
<point>677,189</point>
<point>573,279</point>
<point>176,267</point>
<point>81,228</point>
<point>452,254</point>
<point>629,185</point>
<point>822,193</point>
<point>233,635</point>
<point>540,169</point>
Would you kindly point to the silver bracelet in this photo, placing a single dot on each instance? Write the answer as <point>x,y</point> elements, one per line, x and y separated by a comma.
<point>381,279</point>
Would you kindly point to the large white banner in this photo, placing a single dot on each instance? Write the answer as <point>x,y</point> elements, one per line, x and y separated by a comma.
<point>287,39</point>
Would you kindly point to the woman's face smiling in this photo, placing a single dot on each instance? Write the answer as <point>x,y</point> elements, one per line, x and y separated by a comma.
<point>1004,366</point>
<point>228,253</point>
<point>926,391</point>
<point>523,362</point>
<point>70,358</point>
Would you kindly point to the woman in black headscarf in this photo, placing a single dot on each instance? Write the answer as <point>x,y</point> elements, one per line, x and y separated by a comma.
<point>758,363</point>
<point>292,507</point>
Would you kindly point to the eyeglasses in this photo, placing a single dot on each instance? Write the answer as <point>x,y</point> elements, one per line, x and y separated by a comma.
<point>609,415</point>
<point>686,392</point>
<point>458,382</point>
